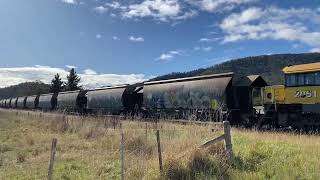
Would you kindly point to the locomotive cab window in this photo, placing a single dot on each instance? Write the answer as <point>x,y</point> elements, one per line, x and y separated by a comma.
<point>303,79</point>
<point>291,80</point>
<point>309,79</point>
<point>317,78</point>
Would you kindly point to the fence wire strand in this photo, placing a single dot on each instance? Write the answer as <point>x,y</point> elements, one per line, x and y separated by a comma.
<point>92,145</point>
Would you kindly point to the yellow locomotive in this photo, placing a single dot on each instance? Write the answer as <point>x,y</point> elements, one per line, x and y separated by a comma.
<point>297,103</point>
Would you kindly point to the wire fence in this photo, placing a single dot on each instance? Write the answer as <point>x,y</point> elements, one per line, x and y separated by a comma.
<point>109,147</point>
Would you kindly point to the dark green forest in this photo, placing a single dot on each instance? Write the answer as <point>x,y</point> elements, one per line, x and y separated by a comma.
<point>24,89</point>
<point>269,66</point>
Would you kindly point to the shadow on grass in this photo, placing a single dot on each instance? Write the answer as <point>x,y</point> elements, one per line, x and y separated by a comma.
<point>210,163</point>
<point>256,156</point>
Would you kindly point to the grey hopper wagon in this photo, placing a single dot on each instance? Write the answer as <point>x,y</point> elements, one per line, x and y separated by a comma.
<point>14,102</point>
<point>188,96</point>
<point>210,97</point>
<point>32,102</point>
<point>106,100</point>
<point>2,103</point>
<point>115,100</point>
<point>74,101</point>
<point>5,103</point>
<point>47,101</point>
<point>11,103</point>
<point>21,103</point>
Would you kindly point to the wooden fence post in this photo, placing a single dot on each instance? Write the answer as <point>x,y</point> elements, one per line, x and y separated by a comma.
<point>159,150</point>
<point>122,155</point>
<point>146,131</point>
<point>53,153</point>
<point>227,136</point>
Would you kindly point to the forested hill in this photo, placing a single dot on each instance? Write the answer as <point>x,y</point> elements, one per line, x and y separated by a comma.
<point>24,89</point>
<point>269,66</point>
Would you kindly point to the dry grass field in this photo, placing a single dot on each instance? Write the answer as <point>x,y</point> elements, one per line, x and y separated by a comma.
<point>89,148</point>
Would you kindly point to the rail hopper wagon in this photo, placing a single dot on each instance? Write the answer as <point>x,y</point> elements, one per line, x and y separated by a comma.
<point>124,99</point>
<point>2,103</point>
<point>21,102</point>
<point>47,101</point>
<point>32,102</point>
<point>5,103</point>
<point>73,101</point>
<point>209,97</point>
<point>297,102</point>
<point>9,102</point>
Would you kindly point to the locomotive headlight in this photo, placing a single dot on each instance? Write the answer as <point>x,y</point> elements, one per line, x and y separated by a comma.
<point>269,95</point>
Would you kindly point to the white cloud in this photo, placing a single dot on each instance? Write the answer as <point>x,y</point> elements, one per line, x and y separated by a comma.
<point>209,39</point>
<point>89,78</point>
<point>209,48</point>
<point>100,9</point>
<point>218,5</point>
<point>102,80</point>
<point>98,36</point>
<point>160,9</point>
<point>71,66</point>
<point>166,56</point>
<point>206,49</point>
<point>170,10</point>
<point>169,55</point>
<point>89,72</point>
<point>70,1</point>
<point>315,50</point>
<point>136,39</point>
<point>295,46</point>
<point>116,38</point>
<point>116,5</point>
<point>273,23</point>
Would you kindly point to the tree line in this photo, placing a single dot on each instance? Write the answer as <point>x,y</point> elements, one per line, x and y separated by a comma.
<point>72,83</point>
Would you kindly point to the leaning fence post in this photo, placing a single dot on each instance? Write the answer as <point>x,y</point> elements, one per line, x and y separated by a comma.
<point>159,150</point>
<point>53,152</point>
<point>122,155</point>
<point>227,135</point>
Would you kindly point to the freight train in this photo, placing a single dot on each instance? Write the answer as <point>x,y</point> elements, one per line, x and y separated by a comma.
<point>243,100</point>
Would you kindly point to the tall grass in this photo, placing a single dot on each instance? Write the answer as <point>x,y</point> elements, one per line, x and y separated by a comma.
<point>88,148</point>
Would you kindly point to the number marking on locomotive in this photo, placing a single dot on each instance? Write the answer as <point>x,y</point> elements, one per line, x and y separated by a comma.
<point>305,94</point>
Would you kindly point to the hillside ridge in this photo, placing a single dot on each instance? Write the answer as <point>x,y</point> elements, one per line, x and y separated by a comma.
<point>268,66</point>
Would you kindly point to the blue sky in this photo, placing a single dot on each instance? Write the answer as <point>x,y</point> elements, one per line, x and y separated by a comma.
<point>112,42</point>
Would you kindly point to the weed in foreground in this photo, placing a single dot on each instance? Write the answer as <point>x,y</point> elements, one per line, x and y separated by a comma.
<point>21,157</point>
<point>138,145</point>
<point>208,163</point>
<point>176,170</point>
